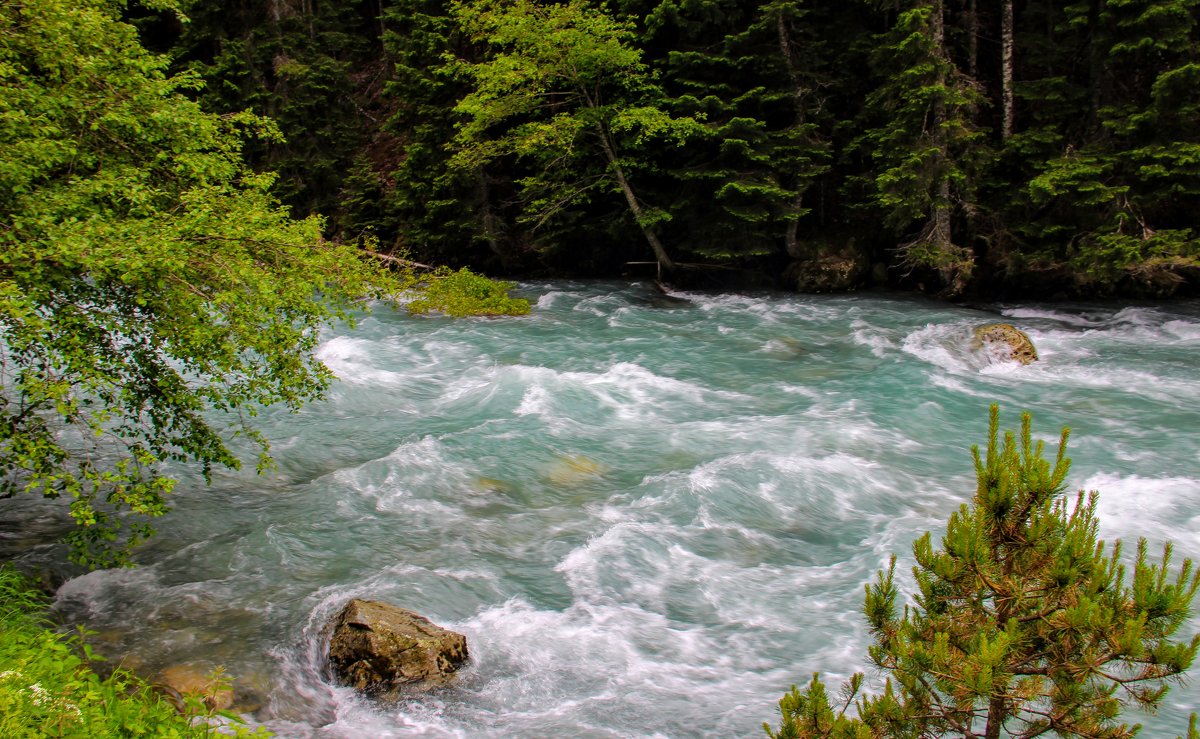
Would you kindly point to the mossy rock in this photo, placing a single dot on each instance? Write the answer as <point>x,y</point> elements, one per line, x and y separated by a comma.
<point>829,273</point>
<point>574,470</point>
<point>1005,341</point>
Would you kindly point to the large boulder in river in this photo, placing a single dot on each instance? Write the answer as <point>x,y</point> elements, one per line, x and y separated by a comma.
<point>380,649</point>
<point>1005,341</point>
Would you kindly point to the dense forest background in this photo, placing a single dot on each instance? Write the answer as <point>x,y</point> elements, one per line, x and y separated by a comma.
<point>1012,149</point>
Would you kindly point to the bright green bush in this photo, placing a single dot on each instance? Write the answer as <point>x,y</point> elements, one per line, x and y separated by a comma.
<point>47,688</point>
<point>464,293</point>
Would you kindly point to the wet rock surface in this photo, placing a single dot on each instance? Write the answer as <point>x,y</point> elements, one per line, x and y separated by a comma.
<point>1005,341</point>
<point>382,649</point>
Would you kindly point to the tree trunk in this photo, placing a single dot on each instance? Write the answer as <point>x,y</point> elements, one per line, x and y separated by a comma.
<point>973,39</point>
<point>1096,54</point>
<point>954,262</point>
<point>939,232</point>
<point>1006,69</point>
<point>791,232</point>
<point>1004,597</point>
<point>487,217</point>
<point>791,235</point>
<point>610,153</point>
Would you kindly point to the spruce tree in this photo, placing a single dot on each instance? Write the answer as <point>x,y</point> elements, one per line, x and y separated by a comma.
<point>1118,203</point>
<point>1022,624</point>
<point>302,65</point>
<point>924,142</point>
<point>754,74</point>
<point>438,212</point>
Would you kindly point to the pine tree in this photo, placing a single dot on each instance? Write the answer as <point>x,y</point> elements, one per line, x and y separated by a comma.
<point>1021,625</point>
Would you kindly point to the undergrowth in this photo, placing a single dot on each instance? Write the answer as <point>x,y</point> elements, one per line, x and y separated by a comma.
<point>48,688</point>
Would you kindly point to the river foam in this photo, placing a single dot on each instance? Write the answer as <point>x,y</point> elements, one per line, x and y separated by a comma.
<point>649,515</point>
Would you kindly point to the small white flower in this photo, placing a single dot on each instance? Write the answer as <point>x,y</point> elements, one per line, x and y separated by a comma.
<point>41,696</point>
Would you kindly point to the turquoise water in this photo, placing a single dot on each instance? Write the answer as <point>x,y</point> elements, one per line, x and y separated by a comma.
<point>649,515</point>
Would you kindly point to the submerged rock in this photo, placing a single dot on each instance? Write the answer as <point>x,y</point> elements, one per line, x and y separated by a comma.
<point>1006,341</point>
<point>381,649</point>
<point>574,470</point>
<point>206,683</point>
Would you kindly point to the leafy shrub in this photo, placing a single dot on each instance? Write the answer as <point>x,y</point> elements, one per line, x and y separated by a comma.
<point>464,293</point>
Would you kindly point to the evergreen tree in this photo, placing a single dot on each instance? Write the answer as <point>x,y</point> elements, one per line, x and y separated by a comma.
<point>1015,145</point>
<point>924,142</point>
<point>312,67</point>
<point>1021,624</point>
<point>754,74</point>
<point>1127,195</point>
<point>437,211</point>
<point>564,92</point>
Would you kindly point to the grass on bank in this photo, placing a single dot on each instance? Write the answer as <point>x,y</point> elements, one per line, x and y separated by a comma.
<point>48,688</point>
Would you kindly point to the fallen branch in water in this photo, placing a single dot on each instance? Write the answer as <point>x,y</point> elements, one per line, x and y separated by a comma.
<point>402,262</point>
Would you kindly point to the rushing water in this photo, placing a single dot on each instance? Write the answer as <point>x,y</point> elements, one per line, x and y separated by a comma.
<point>649,515</point>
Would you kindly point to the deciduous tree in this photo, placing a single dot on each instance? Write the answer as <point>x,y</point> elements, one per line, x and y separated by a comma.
<point>153,294</point>
<point>563,87</point>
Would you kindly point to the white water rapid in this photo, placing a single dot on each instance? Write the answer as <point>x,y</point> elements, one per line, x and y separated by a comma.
<point>649,516</point>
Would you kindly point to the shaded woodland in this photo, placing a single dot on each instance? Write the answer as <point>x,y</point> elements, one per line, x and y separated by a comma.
<point>1020,148</point>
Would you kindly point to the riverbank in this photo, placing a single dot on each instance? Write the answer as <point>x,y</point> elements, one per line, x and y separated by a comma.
<point>50,686</point>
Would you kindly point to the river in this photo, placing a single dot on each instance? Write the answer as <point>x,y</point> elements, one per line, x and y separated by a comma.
<point>650,515</point>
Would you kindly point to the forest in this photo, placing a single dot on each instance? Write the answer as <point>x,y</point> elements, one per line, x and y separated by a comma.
<point>201,201</point>
<point>955,147</point>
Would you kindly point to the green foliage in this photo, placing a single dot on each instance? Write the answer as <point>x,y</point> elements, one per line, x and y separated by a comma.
<point>809,713</point>
<point>924,140</point>
<point>148,279</point>
<point>519,132</point>
<point>48,688</point>
<point>1110,158</point>
<point>752,73</point>
<point>302,65</point>
<point>464,293</point>
<point>566,94</point>
<point>440,213</point>
<point>1021,622</point>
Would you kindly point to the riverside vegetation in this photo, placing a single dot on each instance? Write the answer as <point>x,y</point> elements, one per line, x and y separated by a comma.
<point>150,280</point>
<point>49,689</point>
<point>1022,626</point>
<point>1024,148</point>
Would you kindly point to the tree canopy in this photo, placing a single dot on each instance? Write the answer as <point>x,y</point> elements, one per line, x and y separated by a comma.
<point>565,88</point>
<point>1033,147</point>
<point>153,293</point>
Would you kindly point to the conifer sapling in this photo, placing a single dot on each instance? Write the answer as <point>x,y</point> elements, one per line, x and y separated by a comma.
<point>1021,624</point>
